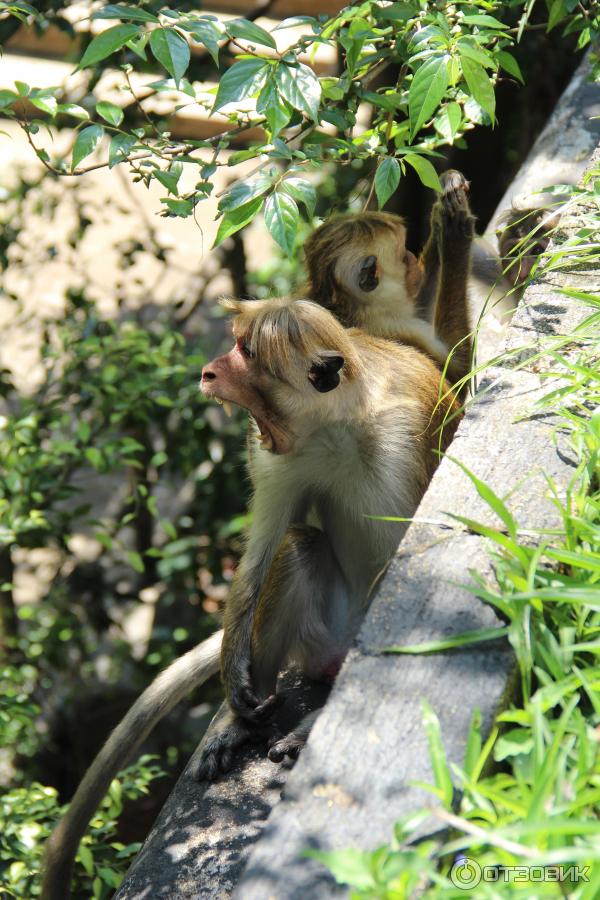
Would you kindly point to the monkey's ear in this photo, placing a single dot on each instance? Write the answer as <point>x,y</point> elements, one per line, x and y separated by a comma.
<point>325,374</point>
<point>367,274</point>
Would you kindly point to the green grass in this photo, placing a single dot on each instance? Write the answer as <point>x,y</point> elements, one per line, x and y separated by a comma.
<point>528,794</point>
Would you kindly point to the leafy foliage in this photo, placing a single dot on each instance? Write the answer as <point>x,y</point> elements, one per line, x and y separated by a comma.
<point>111,443</point>
<point>446,59</point>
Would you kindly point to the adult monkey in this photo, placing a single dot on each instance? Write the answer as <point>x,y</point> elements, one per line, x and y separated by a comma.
<point>352,423</point>
<point>422,382</point>
<point>336,408</point>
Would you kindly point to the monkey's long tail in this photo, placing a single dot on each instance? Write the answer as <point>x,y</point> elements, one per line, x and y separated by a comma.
<point>165,692</point>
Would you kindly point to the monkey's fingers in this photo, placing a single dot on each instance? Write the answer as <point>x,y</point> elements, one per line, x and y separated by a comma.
<point>290,746</point>
<point>454,197</point>
<point>247,705</point>
<point>266,709</point>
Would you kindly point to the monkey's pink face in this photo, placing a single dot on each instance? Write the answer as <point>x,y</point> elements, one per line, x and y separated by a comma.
<point>233,378</point>
<point>281,406</point>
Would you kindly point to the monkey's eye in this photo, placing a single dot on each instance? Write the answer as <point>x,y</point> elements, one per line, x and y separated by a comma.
<point>244,347</point>
<point>367,274</point>
<point>537,249</point>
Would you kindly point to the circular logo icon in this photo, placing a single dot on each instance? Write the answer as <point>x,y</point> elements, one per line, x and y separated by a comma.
<point>465,873</point>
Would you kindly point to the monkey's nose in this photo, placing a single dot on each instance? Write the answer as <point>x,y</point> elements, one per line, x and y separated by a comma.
<point>208,374</point>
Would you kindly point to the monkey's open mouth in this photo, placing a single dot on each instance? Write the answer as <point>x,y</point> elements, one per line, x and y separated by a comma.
<point>226,406</point>
<point>268,433</point>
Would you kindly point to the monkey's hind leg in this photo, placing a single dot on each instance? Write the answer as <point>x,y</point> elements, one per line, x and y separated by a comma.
<point>301,616</point>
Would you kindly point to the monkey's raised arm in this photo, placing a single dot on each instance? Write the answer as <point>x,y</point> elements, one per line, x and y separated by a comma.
<point>171,686</point>
<point>446,261</point>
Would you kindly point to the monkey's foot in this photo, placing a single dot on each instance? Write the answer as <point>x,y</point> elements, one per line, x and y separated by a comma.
<point>218,754</point>
<point>457,216</point>
<point>289,745</point>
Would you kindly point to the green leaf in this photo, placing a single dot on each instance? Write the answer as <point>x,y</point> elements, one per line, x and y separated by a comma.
<point>479,85</point>
<point>244,191</point>
<point>424,170</point>
<point>242,80</point>
<point>437,754</point>
<point>509,64</point>
<point>238,218</point>
<point>474,112</point>
<point>182,208</point>
<point>395,12</point>
<point>387,179</point>
<point>72,109</point>
<point>474,743</point>
<point>484,22</point>
<point>95,458</point>
<point>171,50</point>
<point>276,111</point>
<point>281,218</point>
<point>353,46</point>
<point>87,141</point>
<point>7,98</point>
<point>170,178</point>
<point>119,148</point>
<point>46,104</point>
<point>86,858</point>
<point>110,112</point>
<point>302,191</point>
<point>467,49</point>
<point>513,743</point>
<point>138,45</point>
<point>135,561</point>
<point>452,642</point>
<point>250,31</point>
<point>207,33</point>
<point>448,121</point>
<point>352,867</point>
<point>106,43</point>
<point>122,11</point>
<point>427,90</point>
<point>300,87</point>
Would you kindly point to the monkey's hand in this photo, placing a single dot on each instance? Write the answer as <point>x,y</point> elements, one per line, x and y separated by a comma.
<point>242,697</point>
<point>457,220</point>
<point>247,705</point>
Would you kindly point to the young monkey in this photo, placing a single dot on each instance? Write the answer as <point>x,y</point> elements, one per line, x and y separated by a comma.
<point>359,268</point>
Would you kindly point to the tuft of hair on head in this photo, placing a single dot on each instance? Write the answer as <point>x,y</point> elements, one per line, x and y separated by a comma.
<point>277,329</point>
<point>322,249</point>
